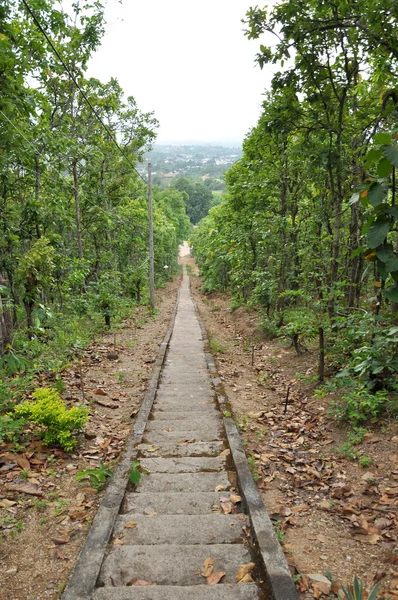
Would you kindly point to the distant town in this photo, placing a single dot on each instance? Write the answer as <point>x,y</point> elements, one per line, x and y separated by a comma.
<point>205,162</point>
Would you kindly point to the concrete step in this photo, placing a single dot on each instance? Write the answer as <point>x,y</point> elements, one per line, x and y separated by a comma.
<point>185,386</point>
<point>177,403</point>
<point>188,394</point>
<point>169,564</point>
<point>182,482</point>
<point>198,435</point>
<point>174,503</point>
<point>186,449</point>
<point>247,591</point>
<point>188,425</point>
<point>184,464</point>
<point>164,415</point>
<point>184,403</point>
<point>181,529</point>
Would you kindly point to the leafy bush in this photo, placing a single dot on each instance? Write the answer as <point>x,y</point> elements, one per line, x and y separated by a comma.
<point>49,410</point>
<point>299,324</point>
<point>359,405</point>
<point>10,428</point>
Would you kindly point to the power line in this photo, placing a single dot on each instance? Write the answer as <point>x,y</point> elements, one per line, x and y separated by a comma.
<point>82,92</point>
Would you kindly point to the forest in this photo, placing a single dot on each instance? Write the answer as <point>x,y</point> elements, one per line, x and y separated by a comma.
<point>74,221</point>
<point>296,242</point>
<point>308,232</point>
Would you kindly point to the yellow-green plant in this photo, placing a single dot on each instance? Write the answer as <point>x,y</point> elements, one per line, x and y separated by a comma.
<point>49,410</point>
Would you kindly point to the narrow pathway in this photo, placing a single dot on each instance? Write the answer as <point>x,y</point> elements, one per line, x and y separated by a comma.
<point>172,521</point>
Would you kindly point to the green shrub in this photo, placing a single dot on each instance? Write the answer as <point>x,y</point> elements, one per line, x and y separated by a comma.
<point>49,410</point>
<point>359,405</point>
<point>10,428</point>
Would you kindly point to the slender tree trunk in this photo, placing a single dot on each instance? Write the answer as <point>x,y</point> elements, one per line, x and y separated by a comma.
<point>77,210</point>
<point>5,320</point>
<point>354,229</point>
<point>37,191</point>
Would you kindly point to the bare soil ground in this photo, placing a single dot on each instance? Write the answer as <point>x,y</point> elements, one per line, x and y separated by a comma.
<point>45,513</point>
<point>333,516</point>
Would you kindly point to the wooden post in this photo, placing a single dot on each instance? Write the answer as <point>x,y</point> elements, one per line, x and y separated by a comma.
<point>151,258</point>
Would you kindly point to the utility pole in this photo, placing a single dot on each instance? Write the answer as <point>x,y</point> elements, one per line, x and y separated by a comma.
<point>151,259</point>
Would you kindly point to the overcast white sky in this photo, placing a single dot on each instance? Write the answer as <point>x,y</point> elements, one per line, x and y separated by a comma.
<point>189,62</point>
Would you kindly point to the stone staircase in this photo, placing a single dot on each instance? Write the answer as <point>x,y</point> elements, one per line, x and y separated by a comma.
<point>172,520</point>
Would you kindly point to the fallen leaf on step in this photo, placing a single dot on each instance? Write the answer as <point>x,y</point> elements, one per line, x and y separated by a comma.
<point>226,507</point>
<point>225,452</point>
<point>215,577</point>
<point>219,488</point>
<point>235,499</point>
<point>118,542</point>
<point>130,524</point>
<point>208,567</point>
<point>243,573</point>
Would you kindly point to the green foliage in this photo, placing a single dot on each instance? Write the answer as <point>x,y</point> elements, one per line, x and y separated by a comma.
<point>135,474</point>
<point>356,592</point>
<point>10,428</point>
<point>216,347</point>
<point>49,410</point>
<point>96,476</point>
<point>360,405</point>
<point>253,468</point>
<point>198,198</point>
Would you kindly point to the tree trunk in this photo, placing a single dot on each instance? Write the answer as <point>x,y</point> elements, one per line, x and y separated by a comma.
<point>77,210</point>
<point>37,192</point>
<point>5,320</point>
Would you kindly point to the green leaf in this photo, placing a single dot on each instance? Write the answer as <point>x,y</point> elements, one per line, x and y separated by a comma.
<point>392,210</point>
<point>377,193</point>
<point>357,252</point>
<point>373,156</point>
<point>384,252</point>
<point>384,168</point>
<point>391,294</point>
<point>382,138</point>
<point>378,232</point>
<point>392,263</point>
<point>381,267</point>
<point>135,476</point>
<point>391,154</point>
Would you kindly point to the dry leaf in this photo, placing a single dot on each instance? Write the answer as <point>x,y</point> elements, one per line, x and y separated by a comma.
<point>243,572</point>
<point>130,524</point>
<point>118,542</point>
<point>235,499</point>
<point>215,577</point>
<point>6,503</point>
<point>58,541</point>
<point>322,587</point>
<point>208,567</point>
<point>219,488</point>
<point>226,507</point>
<point>100,392</point>
<point>25,488</point>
